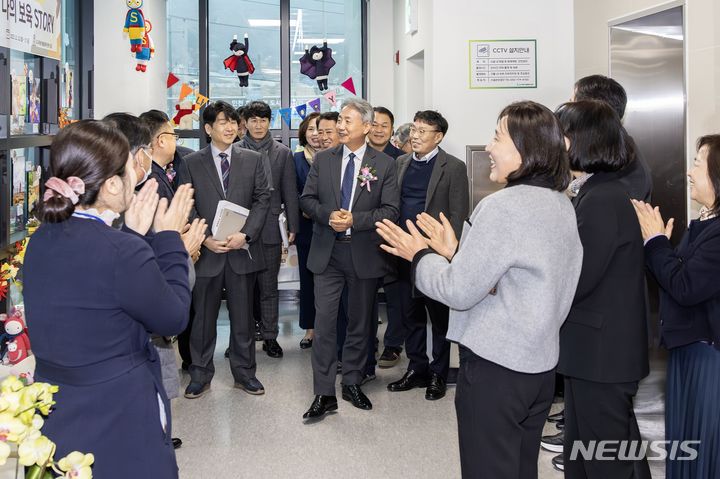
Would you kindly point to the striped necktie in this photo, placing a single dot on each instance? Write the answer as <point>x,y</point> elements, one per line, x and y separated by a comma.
<point>225,169</point>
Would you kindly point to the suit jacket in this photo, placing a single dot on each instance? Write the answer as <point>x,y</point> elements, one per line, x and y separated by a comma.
<point>321,197</point>
<point>302,168</point>
<point>165,188</point>
<point>689,289</point>
<point>448,190</point>
<point>636,177</point>
<point>604,338</point>
<point>284,192</point>
<point>247,188</point>
<point>392,151</point>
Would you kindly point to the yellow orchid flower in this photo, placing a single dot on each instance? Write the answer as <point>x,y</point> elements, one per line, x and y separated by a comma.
<point>76,465</point>
<point>11,428</point>
<point>42,394</point>
<point>4,452</point>
<point>36,449</point>
<point>11,384</point>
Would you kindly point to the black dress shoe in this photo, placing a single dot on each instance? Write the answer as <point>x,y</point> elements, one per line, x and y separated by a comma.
<point>553,443</point>
<point>195,390</point>
<point>558,462</point>
<point>354,394</point>
<point>177,442</point>
<point>272,348</point>
<point>306,343</point>
<point>557,417</point>
<point>390,357</point>
<point>227,352</point>
<point>437,388</point>
<point>320,406</point>
<point>251,386</point>
<point>410,380</point>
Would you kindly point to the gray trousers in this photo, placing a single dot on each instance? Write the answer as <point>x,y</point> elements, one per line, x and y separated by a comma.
<point>207,296</point>
<point>267,283</point>
<point>328,291</point>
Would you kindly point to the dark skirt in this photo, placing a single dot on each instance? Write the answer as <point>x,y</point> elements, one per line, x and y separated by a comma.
<point>692,410</point>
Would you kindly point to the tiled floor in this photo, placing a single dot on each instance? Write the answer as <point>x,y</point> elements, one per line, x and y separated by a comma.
<point>229,434</point>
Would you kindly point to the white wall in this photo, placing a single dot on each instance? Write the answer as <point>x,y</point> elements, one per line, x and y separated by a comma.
<point>118,87</point>
<point>702,55</point>
<point>443,34</point>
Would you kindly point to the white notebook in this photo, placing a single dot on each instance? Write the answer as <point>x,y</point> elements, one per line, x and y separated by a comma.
<point>229,218</point>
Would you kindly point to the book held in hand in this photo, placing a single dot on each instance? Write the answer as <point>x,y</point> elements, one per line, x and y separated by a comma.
<point>229,219</point>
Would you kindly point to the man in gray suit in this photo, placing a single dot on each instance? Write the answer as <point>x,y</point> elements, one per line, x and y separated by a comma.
<point>280,172</point>
<point>348,189</point>
<point>223,171</point>
<point>434,182</point>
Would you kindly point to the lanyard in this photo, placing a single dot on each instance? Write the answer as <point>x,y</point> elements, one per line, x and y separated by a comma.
<point>88,216</point>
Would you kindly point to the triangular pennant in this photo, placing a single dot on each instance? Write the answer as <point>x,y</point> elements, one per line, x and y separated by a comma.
<point>201,100</point>
<point>315,105</point>
<point>330,96</point>
<point>185,90</point>
<point>171,80</point>
<point>301,110</point>
<point>349,85</point>
<point>286,114</point>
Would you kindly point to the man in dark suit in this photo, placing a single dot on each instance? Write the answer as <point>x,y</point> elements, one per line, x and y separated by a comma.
<point>431,181</point>
<point>280,172</point>
<point>223,171</point>
<point>382,131</point>
<point>348,189</point>
<point>164,145</point>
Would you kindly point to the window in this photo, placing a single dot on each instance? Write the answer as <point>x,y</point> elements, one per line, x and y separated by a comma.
<point>278,33</point>
<point>312,22</point>
<point>260,20</point>
<point>184,48</point>
<point>69,79</point>
<point>25,189</point>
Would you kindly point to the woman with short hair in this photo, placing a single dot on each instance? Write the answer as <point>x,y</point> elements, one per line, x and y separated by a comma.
<point>509,286</point>
<point>690,316</point>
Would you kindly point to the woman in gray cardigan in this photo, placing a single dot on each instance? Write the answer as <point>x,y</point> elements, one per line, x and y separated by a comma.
<point>509,286</point>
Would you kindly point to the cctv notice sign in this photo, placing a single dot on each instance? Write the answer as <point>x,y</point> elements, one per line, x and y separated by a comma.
<point>503,64</point>
<point>31,26</point>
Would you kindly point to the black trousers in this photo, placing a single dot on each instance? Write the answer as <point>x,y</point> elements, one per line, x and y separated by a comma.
<point>395,333</point>
<point>329,287</point>
<point>500,415</point>
<point>415,311</point>
<point>267,290</point>
<point>207,296</point>
<point>307,288</point>
<point>597,412</point>
<point>244,80</point>
<point>184,339</point>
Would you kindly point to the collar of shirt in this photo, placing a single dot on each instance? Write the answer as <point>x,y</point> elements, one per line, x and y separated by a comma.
<point>359,153</point>
<point>427,157</point>
<point>216,151</point>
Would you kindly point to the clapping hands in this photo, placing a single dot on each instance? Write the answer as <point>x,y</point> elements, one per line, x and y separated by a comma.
<point>440,237</point>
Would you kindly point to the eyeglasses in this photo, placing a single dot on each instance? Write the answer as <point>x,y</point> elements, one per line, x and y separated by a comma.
<point>177,137</point>
<point>421,131</point>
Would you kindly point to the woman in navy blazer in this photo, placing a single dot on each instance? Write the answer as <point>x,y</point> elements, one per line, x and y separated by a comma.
<point>309,140</point>
<point>93,292</point>
<point>689,280</point>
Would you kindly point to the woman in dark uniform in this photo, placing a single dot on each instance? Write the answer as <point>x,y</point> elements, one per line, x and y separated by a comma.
<point>690,317</point>
<point>93,292</point>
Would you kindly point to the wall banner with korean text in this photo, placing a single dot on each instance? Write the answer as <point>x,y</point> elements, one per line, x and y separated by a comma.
<point>31,26</point>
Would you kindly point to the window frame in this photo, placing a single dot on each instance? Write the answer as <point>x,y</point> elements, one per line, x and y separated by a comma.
<point>285,133</point>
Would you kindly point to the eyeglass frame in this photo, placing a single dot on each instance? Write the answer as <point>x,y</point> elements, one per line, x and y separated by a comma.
<point>421,132</point>
<point>178,140</point>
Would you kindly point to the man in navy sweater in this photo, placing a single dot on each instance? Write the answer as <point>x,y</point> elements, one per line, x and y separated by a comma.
<point>429,181</point>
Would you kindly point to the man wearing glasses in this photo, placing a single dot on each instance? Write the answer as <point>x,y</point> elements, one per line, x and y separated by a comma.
<point>163,144</point>
<point>431,181</point>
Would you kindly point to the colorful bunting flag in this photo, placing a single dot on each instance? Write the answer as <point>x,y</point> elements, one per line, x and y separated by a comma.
<point>315,105</point>
<point>171,80</point>
<point>185,90</point>
<point>330,96</point>
<point>201,100</point>
<point>286,114</point>
<point>349,85</point>
<point>301,110</point>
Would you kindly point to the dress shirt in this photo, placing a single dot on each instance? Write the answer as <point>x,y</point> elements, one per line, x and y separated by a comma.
<point>216,158</point>
<point>427,157</point>
<point>359,155</point>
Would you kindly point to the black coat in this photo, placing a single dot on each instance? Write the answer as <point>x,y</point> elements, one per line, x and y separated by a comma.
<point>604,338</point>
<point>689,286</point>
<point>321,197</point>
